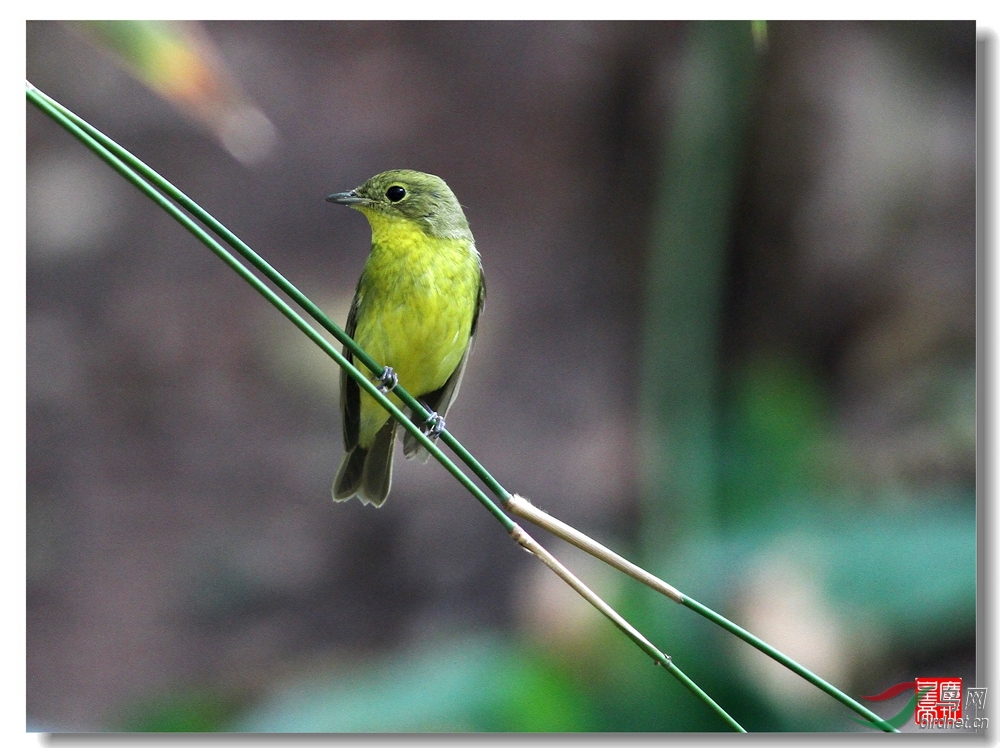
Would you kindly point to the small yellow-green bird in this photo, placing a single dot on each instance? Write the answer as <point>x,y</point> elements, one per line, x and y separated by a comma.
<point>415,312</point>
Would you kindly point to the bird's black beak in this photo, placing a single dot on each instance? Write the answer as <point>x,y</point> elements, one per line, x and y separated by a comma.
<point>346,198</point>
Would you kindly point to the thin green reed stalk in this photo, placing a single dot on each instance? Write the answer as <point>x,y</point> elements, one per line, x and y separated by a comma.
<point>115,156</point>
<point>128,165</point>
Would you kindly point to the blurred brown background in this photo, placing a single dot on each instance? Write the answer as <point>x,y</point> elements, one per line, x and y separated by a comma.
<point>815,478</point>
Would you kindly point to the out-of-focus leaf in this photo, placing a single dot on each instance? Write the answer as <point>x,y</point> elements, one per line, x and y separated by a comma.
<point>473,684</point>
<point>197,710</point>
<point>179,62</point>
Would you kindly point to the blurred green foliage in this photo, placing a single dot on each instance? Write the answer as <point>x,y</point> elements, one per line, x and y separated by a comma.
<point>472,684</point>
<point>196,710</point>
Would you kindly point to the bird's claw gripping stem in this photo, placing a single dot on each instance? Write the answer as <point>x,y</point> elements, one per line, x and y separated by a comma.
<point>388,380</point>
<point>433,426</point>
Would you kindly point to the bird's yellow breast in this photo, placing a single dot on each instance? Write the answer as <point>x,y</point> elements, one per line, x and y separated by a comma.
<point>417,299</point>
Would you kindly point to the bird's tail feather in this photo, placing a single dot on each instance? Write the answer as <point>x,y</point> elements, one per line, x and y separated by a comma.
<point>348,479</point>
<point>367,473</point>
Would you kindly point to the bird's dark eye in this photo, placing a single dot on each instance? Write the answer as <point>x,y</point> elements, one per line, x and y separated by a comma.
<point>395,193</point>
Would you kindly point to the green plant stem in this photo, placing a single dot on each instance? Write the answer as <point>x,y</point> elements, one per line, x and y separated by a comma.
<point>525,509</point>
<point>644,644</point>
<point>115,156</point>
<point>690,684</point>
<point>788,662</point>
